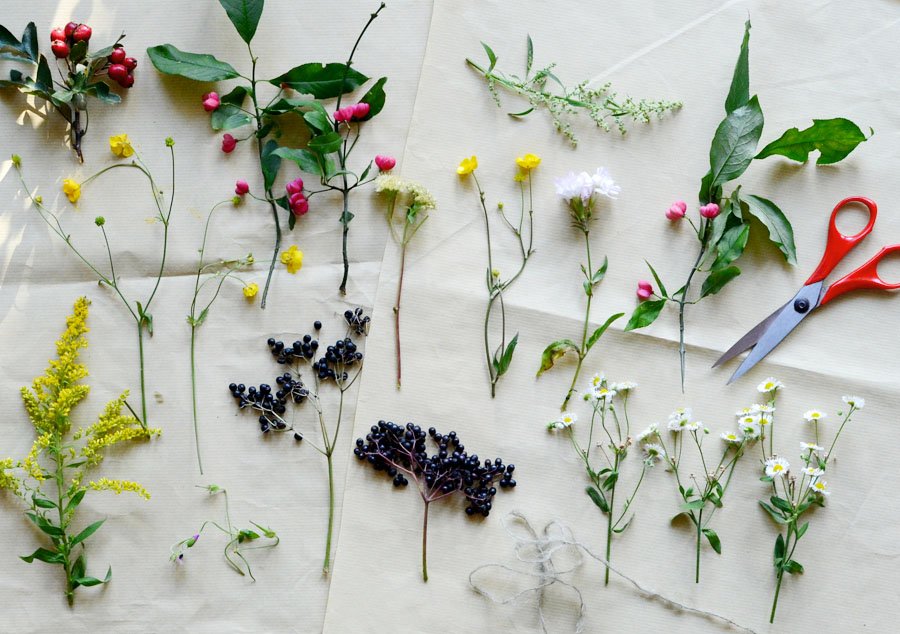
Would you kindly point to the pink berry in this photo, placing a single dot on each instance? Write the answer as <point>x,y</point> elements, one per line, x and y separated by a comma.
<point>60,49</point>
<point>294,187</point>
<point>70,28</point>
<point>385,163</point>
<point>228,143</point>
<point>709,211</point>
<point>130,63</point>
<point>58,33</point>
<point>360,110</point>
<point>299,204</point>
<point>677,210</point>
<point>117,72</point>
<point>644,290</point>
<point>82,33</point>
<point>211,101</point>
<point>241,187</point>
<point>117,56</point>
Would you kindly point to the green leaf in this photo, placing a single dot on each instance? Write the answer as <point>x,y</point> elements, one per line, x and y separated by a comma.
<point>87,532</point>
<point>529,56</point>
<point>79,567</point>
<point>506,359</point>
<point>622,529</point>
<point>93,581</point>
<point>739,93</point>
<point>492,57</point>
<point>645,314</point>
<point>286,104</point>
<point>598,499</point>
<point>775,515</point>
<point>793,567</point>
<point>611,480</point>
<point>709,193</point>
<point>518,115</point>
<point>41,502</point>
<point>229,114</point>
<point>780,231</point>
<point>79,51</point>
<point>802,530</point>
<point>734,143</point>
<point>693,505</point>
<point>47,527</point>
<point>729,218</point>
<point>101,91</point>
<point>75,500</point>
<point>44,78</point>
<point>197,66</point>
<point>270,162</point>
<point>322,81</point>
<point>318,121</point>
<point>244,15</point>
<point>326,143</point>
<point>781,504</point>
<point>713,540</point>
<point>833,138</point>
<point>375,98</point>
<point>659,283</point>
<point>779,548</point>
<point>47,556</point>
<point>304,159</point>
<point>718,279</point>
<point>553,352</point>
<point>595,336</point>
<point>731,246</point>
<point>10,46</point>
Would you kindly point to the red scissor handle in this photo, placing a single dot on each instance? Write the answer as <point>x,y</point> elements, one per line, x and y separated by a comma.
<point>839,245</point>
<point>865,276</point>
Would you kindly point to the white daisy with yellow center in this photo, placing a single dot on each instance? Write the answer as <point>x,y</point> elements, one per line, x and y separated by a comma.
<point>777,467</point>
<point>652,430</point>
<point>820,486</point>
<point>811,447</point>
<point>566,420</point>
<point>770,385</point>
<point>731,437</point>
<point>813,472</point>
<point>855,401</point>
<point>597,380</point>
<point>814,415</point>
<point>603,393</point>
<point>653,452</point>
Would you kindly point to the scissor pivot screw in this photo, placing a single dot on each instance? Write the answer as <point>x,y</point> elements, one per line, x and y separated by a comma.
<point>801,305</point>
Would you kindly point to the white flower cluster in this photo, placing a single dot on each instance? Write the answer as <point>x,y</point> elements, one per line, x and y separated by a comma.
<point>565,420</point>
<point>584,185</point>
<point>602,392</point>
<point>680,420</point>
<point>419,195</point>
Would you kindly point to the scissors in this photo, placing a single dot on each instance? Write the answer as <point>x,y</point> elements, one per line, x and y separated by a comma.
<point>773,329</point>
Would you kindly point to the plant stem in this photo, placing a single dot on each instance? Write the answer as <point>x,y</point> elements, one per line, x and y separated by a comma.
<point>194,395</point>
<point>77,134</point>
<point>64,542</point>
<point>397,310</point>
<point>425,544</point>
<point>609,525</point>
<point>140,330</point>
<point>683,300</point>
<point>345,222</point>
<point>327,564</point>
<point>780,578</point>
<point>699,534</point>
<point>587,320</point>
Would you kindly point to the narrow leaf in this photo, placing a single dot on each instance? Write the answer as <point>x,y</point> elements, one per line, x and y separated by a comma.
<point>713,539</point>
<point>739,93</point>
<point>779,547</point>
<point>645,314</point>
<point>780,231</point>
<point>506,359</point>
<point>775,515</point>
<point>30,42</point>
<point>270,162</point>
<point>47,556</point>
<point>87,532</point>
<point>595,336</point>
<point>598,499</point>
<point>659,283</point>
<point>529,57</point>
<point>492,57</point>
<point>718,279</point>
<point>833,138</point>
<point>197,66</point>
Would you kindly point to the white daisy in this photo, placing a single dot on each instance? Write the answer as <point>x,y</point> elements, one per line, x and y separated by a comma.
<point>770,385</point>
<point>731,437</point>
<point>597,380</point>
<point>814,415</point>
<point>653,451</point>
<point>813,472</point>
<point>692,425</point>
<point>811,446</point>
<point>765,418</point>
<point>681,413</point>
<point>768,408</point>
<point>855,401</point>
<point>820,486</point>
<point>565,420</point>
<point>624,386</point>
<point>652,430</point>
<point>750,430</point>
<point>604,394</point>
<point>747,411</point>
<point>777,467</point>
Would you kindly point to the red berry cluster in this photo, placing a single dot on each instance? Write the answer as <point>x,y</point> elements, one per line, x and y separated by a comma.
<point>121,68</point>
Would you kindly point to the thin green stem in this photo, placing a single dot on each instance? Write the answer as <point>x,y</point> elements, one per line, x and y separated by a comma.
<point>699,534</point>
<point>140,330</point>
<point>194,395</point>
<point>325,567</point>
<point>683,297</point>
<point>582,351</point>
<point>425,544</point>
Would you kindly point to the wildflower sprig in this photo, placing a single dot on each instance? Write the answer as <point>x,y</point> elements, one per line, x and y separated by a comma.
<point>50,480</point>
<point>120,146</point>
<point>407,205</point>
<point>499,357</point>
<point>214,274</point>
<point>580,193</point>
<point>309,369</point>
<point>794,493</point>
<point>723,226</point>
<point>604,451</point>
<point>603,106</point>
<point>331,136</point>
<point>238,539</point>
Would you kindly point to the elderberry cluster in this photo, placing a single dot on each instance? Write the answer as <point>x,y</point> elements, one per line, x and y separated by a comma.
<point>397,450</point>
<point>271,406</point>
<point>357,321</point>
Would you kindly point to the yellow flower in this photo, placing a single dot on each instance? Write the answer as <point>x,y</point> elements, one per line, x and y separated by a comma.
<point>528,162</point>
<point>72,190</point>
<point>467,165</point>
<point>119,486</point>
<point>250,290</point>
<point>120,145</point>
<point>293,258</point>
<point>519,177</point>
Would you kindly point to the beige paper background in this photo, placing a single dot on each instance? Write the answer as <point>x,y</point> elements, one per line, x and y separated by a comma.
<point>808,60</point>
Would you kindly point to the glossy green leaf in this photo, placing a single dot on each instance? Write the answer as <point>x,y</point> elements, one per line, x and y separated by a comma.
<point>42,502</point>
<point>775,515</point>
<point>659,282</point>
<point>78,52</point>
<point>326,143</point>
<point>197,66</point>
<point>709,193</point>
<point>318,122</point>
<point>47,556</point>
<point>93,581</point>
<point>229,114</point>
<point>734,143</point>
<point>595,336</point>
<point>718,279</point>
<point>713,539</point>
<point>779,548</point>
<point>304,159</point>
<point>793,567</point>
<point>101,91</point>
<point>504,361</point>
<point>87,532</point>
<point>780,231</point>
<point>611,480</point>
<point>30,42</point>
<point>645,314</point>
<point>731,246</point>
<point>244,15</point>
<point>322,81</point>
<point>492,57</point>
<point>834,139</point>
<point>729,217</point>
<point>553,352</point>
<point>270,163</point>
<point>375,98</point>
<point>739,92</point>
<point>598,499</point>
<point>10,43</point>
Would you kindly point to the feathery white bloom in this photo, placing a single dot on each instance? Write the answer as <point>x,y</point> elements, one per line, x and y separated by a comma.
<point>421,196</point>
<point>814,415</point>
<point>682,413</point>
<point>747,411</point>
<point>604,183</point>
<point>623,386</point>
<point>731,437</point>
<point>692,425</point>
<point>811,446</point>
<point>653,452</point>
<point>768,408</point>
<point>770,385</point>
<point>574,185</point>
<point>820,486</point>
<point>855,401</point>
<point>389,183</point>
<point>652,430</point>
<point>813,472</point>
<point>777,467</point>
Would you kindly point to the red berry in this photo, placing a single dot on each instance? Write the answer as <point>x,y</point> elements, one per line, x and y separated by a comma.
<point>117,56</point>
<point>57,34</point>
<point>60,49</point>
<point>130,63</point>
<point>127,82</point>
<point>117,72</point>
<point>82,33</point>
<point>70,28</point>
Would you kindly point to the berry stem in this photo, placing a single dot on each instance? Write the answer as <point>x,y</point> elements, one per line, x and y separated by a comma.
<point>397,310</point>
<point>425,544</point>
<point>327,564</point>
<point>77,134</point>
<point>703,234</point>
<point>345,222</point>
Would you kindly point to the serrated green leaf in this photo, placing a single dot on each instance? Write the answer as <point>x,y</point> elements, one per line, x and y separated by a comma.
<point>713,539</point>
<point>598,499</point>
<point>375,98</point>
<point>645,314</point>
<point>734,143</point>
<point>244,15</point>
<point>595,336</point>
<point>322,81</point>
<point>197,66</point>
<point>739,92</point>
<point>781,233</point>
<point>834,139</point>
<point>553,352</point>
<point>731,246</point>
<point>718,279</point>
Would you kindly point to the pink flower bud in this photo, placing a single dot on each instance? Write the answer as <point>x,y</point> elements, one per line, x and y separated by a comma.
<point>344,114</point>
<point>709,211</point>
<point>241,187</point>
<point>360,110</point>
<point>299,204</point>
<point>677,210</point>
<point>294,187</point>
<point>228,143</point>
<point>385,163</point>
<point>211,101</point>
<point>644,290</point>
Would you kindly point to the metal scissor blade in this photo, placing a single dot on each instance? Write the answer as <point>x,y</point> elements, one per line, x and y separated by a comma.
<point>749,340</point>
<point>780,327</point>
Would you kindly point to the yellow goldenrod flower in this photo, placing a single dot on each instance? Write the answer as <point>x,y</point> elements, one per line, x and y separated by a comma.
<point>119,486</point>
<point>8,480</point>
<point>250,290</point>
<point>120,145</point>
<point>528,162</point>
<point>292,258</point>
<point>467,165</point>
<point>72,190</point>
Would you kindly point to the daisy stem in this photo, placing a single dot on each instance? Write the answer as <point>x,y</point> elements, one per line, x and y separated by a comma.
<point>699,534</point>
<point>609,521</point>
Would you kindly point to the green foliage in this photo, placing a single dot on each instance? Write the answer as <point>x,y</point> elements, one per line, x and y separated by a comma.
<point>834,139</point>
<point>322,81</point>
<point>244,15</point>
<point>554,352</point>
<point>170,60</point>
<point>645,314</point>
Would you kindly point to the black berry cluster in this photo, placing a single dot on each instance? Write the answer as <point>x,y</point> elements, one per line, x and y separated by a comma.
<point>402,452</point>
<point>357,321</point>
<point>261,399</point>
